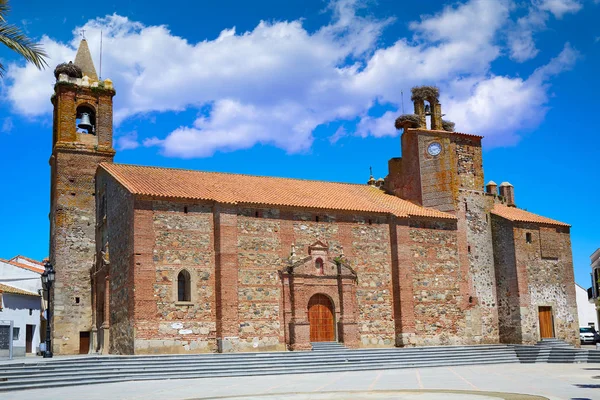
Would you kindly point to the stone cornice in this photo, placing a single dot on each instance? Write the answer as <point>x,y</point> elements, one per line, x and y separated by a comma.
<point>70,147</point>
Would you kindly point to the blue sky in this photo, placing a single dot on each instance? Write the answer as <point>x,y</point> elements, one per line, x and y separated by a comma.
<point>310,89</point>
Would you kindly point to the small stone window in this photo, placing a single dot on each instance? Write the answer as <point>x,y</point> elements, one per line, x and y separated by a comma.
<point>528,237</point>
<point>319,266</point>
<point>317,218</point>
<point>183,286</point>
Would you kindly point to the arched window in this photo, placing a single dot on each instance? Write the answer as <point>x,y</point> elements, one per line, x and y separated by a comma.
<point>183,286</point>
<point>319,266</point>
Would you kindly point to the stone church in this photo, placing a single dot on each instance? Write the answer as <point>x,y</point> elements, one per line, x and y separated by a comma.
<point>157,260</point>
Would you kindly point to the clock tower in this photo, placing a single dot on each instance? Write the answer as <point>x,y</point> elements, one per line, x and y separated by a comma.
<point>436,163</point>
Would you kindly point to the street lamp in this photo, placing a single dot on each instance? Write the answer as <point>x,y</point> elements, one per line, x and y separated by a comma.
<point>47,280</point>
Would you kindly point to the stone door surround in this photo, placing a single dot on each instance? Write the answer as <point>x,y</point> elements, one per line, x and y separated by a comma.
<point>324,274</point>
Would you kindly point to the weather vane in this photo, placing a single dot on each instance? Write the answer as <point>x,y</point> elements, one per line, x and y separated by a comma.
<point>83,33</point>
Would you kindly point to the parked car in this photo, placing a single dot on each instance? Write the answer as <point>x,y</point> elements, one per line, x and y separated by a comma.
<point>588,335</point>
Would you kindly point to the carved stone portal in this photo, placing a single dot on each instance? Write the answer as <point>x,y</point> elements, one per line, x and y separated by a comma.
<point>318,273</point>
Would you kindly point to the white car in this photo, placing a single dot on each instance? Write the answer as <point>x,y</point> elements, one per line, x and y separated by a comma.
<point>588,335</point>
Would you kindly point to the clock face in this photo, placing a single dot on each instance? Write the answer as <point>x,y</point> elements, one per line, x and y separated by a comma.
<point>434,148</point>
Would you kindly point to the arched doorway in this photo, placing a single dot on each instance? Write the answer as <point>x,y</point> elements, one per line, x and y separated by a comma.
<point>320,318</point>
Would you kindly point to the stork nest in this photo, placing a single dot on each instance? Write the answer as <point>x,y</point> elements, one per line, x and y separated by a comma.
<point>412,120</point>
<point>448,125</point>
<point>425,93</point>
<point>70,69</point>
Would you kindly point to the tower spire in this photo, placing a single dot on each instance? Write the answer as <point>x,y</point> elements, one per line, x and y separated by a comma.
<point>83,60</point>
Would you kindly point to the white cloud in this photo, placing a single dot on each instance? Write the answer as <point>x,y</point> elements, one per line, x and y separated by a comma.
<point>560,7</point>
<point>276,83</point>
<point>128,141</point>
<point>521,37</point>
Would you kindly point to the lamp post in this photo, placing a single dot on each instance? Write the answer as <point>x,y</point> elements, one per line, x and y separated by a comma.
<point>47,280</point>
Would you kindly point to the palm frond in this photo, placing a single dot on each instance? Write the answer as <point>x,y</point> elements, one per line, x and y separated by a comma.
<point>14,39</point>
<point>4,9</point>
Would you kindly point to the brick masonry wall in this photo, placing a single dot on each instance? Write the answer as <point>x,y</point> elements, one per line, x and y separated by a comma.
<point>259,287</point>
<point>438,285</point>
<point>176,240</point>
<point>117,234</point>
<point>72,245</point>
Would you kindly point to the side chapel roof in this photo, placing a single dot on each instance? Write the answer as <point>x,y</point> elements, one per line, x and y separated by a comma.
<point>262,190</point>
<point>519,215</point>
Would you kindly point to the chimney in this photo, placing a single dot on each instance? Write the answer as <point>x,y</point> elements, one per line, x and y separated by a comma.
<point>491,188</point>
<point>507,191</point>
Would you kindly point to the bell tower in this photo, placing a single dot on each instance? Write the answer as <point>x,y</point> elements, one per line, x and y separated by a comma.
<point>81,139</point>
<point>437,163</point>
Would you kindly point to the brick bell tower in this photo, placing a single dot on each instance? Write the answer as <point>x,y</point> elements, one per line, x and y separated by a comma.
<point>82,138</point>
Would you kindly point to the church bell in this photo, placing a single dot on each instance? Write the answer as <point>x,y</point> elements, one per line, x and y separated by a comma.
<point>85,122</point>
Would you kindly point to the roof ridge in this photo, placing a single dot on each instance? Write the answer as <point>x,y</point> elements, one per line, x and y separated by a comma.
<point>236,174</point>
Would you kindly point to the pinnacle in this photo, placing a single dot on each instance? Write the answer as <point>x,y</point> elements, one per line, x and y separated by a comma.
<point>83,60</point>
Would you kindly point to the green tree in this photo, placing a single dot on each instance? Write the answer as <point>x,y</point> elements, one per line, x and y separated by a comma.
<point>13,38</point>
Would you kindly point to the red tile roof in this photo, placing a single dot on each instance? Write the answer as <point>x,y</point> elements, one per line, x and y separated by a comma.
<point>31,260</point>
<point>518,215</point>
<point>260,190</point>
<point>13,290</point>
<point>24,266</point>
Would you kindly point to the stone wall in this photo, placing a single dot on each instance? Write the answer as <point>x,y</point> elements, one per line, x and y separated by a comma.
<point>510,293</point>
<point>116,238</point>
<point>474,222</point>
<point>259,287</point>
<point>72,246</point>
<point>550,280</point>
<point>170,237</point>
<point>435,181</point>
<point>438,284</point>
<point>528,278</point>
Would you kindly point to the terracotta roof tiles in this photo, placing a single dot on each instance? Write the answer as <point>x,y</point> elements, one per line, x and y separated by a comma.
<point>24,266</point>
<point>260,190</point>
<point>13,290</point>
<point>519,215</point>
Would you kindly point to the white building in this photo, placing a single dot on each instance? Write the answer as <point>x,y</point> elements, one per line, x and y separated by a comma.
<point>21,302</point>
<point>586,309</point>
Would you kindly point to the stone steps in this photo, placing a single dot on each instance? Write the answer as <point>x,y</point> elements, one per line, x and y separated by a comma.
<point>327,346</point>
<point>79,371</point>
<point>104,369</point>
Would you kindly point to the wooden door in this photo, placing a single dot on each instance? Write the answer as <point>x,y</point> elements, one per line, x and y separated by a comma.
<point>546,325</point>
<point>84,342</point>
<point>320,317</point>
<point>29,338</point>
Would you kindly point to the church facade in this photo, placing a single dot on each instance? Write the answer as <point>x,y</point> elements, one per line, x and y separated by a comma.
<point>156,260</point>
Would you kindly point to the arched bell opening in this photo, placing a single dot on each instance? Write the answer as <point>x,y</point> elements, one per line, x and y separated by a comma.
<point>85,120</point>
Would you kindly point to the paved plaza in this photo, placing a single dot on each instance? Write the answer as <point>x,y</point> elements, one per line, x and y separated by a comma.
<point>507,381</point>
